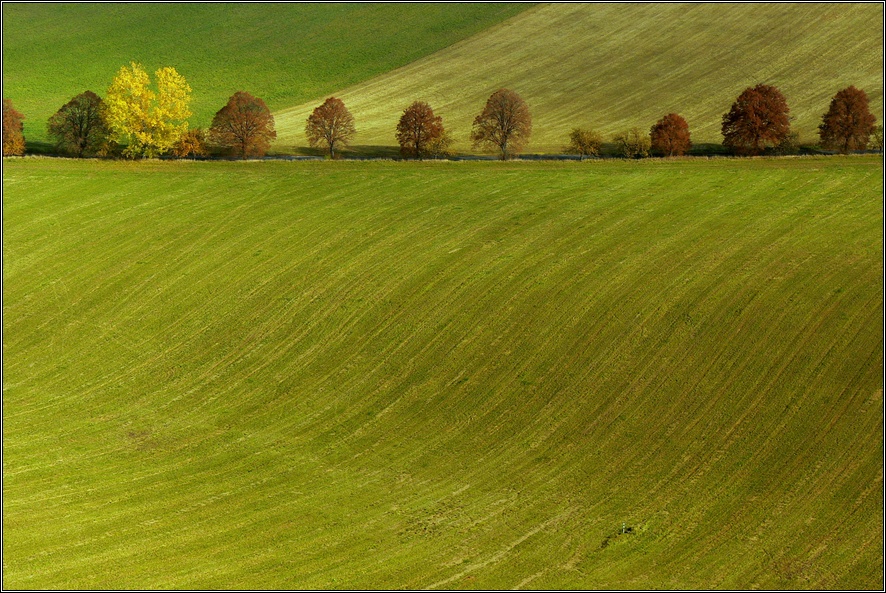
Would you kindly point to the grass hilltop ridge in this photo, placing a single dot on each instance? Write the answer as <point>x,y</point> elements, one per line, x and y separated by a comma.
<point>615,66</point>
<point>285,53</point>
<point>608,66</point>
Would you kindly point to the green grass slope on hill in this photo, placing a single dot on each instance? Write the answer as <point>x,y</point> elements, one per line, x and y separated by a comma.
<point>284,53</point>
<point>615,66</point>
<point>445,375</point>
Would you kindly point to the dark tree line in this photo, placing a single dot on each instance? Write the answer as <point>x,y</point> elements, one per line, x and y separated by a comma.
<point>758,121</point>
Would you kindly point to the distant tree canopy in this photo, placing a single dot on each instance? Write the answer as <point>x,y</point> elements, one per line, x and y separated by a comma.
<point>330,125</point>
<point>633,144</point>
<point>848,124</point>
<point>758,119</point>
<point>504,124</point>
<point>150,122</point>
<point>244,125</point>
<point>584,142</point>
<point>13,139</point>
<point>418,129</point>
<point>670,135</point>
<point>79,128</point>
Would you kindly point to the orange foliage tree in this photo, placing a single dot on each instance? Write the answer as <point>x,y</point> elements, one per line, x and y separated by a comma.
<point>244,126</point>
<point>192,143</point>
<point>758,118</point>
<point>504,124</point>
<point>418,130</point>
<point>670,135</point>
<point>13,139</point>
<point>330,124</point>
<point>848,124</point>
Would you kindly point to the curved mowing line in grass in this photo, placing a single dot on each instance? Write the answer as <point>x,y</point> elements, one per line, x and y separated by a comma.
<point>616,66</point>
<point>374,375</point>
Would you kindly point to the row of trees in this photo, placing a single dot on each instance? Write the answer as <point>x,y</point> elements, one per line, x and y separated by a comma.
<point>758,120</point>
<point>137,121</point>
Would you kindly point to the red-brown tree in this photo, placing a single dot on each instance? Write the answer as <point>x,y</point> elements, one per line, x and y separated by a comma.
<point>330,124</point>
<point>79,126</point>
<point>758,118</point>
<point>504,124</point>
<point>848,124</point>
<point>244,126</point>
<point>13,139</point>
<point>670,135</point>
<point>418,129</point>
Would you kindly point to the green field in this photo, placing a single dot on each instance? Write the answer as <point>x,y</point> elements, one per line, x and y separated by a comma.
<point>283,53</point>
<point>615,66</point>
<point>444,375</point>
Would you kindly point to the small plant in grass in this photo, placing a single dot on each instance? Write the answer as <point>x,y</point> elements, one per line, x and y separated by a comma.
<point>790,144</point>
<point>633,144</point>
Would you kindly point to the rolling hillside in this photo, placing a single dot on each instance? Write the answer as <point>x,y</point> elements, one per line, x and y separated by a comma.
<point>443,375</point>
<point>614,66</point>
<point>284,53</point>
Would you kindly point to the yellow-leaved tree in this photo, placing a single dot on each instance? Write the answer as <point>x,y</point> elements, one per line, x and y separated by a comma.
<point>149,122</point>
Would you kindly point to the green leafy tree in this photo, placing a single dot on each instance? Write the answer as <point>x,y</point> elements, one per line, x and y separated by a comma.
<point>79,128</point>
<point>584,142</point>
<point>149,122</point>
<point>633,144</point>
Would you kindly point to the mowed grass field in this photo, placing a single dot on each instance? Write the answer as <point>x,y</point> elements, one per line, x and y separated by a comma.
<point>443,375</point>
<point>615,66</point>
<point>283,53</point>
